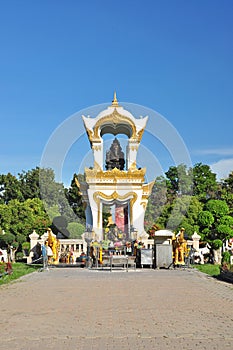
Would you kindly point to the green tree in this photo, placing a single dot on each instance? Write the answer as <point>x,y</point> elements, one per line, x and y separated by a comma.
<point>226,220</point>
<point>214,220</point>
<point>156,201</point>
<point>30,184</point>
<point>179,180</point>
<point>10,188</point>
<point>228,182</point>
<point>204,182</point>
<point>224,231</point>
<point>21,218</point>
<point>53,211</point>
<point>6,239</point>
<point>224,227</point>
<point>76,230</point>
<point>5,217</point>
<point>217,207</point>
<point>74,197</point>
<point>162,220</point>
<point>226,191</point>
<point>190,222</point>
<point>53,195</point>
<point>179,211</point>
<point>206,219</point>
<point>51,192</point>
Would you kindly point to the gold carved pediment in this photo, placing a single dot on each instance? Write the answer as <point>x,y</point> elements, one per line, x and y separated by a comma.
<point>147,188</point>
<point>114,119</point>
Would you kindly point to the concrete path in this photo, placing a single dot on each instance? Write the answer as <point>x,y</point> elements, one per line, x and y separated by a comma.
<point>143,309</point>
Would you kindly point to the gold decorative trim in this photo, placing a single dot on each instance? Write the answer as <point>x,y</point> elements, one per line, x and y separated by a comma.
<point>114,196</point>
<point>96,147</point>
<point>115,174</point>
<point>147,188</point>
<point>139,134</point>
<point>97,166</point>
<point>144,205</point>
<point>133,166</point>
<point>134,148</point>
<point>114,119</point>
<point>89,133</point>
<point>146,191</point>
<point>78,185</point>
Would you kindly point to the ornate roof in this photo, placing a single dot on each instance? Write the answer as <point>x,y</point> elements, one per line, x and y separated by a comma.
<point>115,120</point>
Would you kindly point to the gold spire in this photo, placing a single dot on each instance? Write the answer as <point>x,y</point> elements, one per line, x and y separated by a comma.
<point>115,102</point>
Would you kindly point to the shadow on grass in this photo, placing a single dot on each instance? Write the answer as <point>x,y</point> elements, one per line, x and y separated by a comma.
<point>225,276</point>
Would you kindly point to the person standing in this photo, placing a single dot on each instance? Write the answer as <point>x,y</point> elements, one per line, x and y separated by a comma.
<point>45,256</point>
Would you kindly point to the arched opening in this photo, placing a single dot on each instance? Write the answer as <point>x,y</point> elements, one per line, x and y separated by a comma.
<point>116,129</point>
<point>115,151</point>
<point>116,217</point>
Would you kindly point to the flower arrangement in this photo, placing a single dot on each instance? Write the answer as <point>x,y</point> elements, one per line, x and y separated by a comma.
<point>118,244</point>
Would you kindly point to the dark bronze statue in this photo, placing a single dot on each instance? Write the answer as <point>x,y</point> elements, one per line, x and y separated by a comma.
<point>115,156</point>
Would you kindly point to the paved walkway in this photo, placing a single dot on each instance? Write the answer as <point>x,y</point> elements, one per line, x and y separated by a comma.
<point>144,309</point>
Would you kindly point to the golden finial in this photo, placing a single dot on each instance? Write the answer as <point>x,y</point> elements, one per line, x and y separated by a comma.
<point>115,102</point>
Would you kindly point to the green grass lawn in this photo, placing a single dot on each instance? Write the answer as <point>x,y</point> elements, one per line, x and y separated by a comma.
<point>19,269</point>
<point>209,269</point>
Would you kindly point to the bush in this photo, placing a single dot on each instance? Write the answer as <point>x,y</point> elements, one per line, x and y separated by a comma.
<point>26,245</point>
<point>217,243</point>
<point>26,248</point>
<point>76,230</point>
<point>6,240</point>
<point>19,256</point>
<point>226,257</point>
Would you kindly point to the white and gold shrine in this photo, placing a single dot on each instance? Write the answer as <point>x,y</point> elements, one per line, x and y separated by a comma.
<point>114,180</point>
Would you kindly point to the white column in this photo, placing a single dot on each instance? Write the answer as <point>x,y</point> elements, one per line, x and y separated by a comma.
<point>96,209</point>
<point>33,242</point>
<point>131,156</point>
<point>196,239</point>
<point>33,239</point>
<point>97,148</point>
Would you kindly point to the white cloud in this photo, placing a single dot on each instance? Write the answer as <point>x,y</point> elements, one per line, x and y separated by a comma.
<point>215,151</point>
<point>222,168</point>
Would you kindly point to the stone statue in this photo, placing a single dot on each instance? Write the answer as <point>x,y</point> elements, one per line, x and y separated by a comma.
<point>115,156</point>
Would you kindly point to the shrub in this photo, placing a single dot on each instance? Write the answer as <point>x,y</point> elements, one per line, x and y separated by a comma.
<point>76,230</point>
<point>26,245</point>
<point>226,257</point>
<point>217,243</point>
<point>19,256</point>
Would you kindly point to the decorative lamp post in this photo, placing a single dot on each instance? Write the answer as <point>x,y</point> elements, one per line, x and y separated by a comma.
<point>88,236</point>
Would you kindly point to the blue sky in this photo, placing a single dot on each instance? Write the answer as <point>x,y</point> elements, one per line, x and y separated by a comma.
<point>59,57</point>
